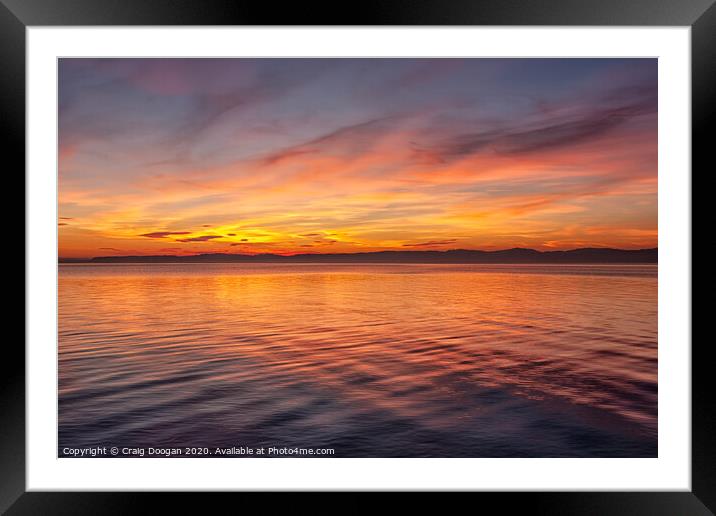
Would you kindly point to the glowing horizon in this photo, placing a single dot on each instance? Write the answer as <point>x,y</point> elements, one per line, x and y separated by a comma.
<point>292,156</point>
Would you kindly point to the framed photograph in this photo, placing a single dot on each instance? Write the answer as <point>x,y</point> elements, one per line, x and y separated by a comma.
<point>422,248</point>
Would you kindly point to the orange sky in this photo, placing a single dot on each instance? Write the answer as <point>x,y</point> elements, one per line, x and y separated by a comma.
<point>174,156</point>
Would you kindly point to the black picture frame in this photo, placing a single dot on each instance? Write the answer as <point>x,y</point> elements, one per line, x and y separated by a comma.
<point>17,15</point>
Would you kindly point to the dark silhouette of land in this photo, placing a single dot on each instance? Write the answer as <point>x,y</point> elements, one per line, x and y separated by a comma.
<point>507,256</point>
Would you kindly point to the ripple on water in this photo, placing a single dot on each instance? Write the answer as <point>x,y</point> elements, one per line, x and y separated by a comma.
<point>372,360</point>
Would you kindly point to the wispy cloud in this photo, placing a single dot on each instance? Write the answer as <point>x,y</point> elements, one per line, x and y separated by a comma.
<point>345,155</point>
<point>164,234</point>
<point>432,243</point>
<point>202,238</point>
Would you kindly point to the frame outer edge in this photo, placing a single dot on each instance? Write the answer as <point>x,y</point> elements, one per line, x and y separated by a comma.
<point>703,113</point>
<point>368,12</point>
<point>12,84</point>
<point>12,378</point>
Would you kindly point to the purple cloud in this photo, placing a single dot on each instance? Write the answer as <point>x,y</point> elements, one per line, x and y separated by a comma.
<point>202,238</point>
<point>164,234</point>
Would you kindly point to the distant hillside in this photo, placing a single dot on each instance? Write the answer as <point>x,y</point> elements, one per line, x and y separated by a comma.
<point>516,255</point>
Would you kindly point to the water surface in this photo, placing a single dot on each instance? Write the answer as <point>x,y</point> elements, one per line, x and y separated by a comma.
<point>370,360</point>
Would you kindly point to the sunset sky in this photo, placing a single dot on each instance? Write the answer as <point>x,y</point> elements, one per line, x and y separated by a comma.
<point>186,156</point>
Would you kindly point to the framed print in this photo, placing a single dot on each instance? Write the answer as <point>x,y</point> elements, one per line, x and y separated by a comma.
<point>428,248</point>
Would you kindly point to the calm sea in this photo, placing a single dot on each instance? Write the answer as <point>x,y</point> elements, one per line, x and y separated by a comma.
<point>367,360</point>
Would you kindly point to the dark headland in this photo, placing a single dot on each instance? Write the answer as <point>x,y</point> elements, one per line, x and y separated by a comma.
<point>507,256</point>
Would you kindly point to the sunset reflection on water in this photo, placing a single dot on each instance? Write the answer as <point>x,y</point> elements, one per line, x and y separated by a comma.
<point>372,360</point>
